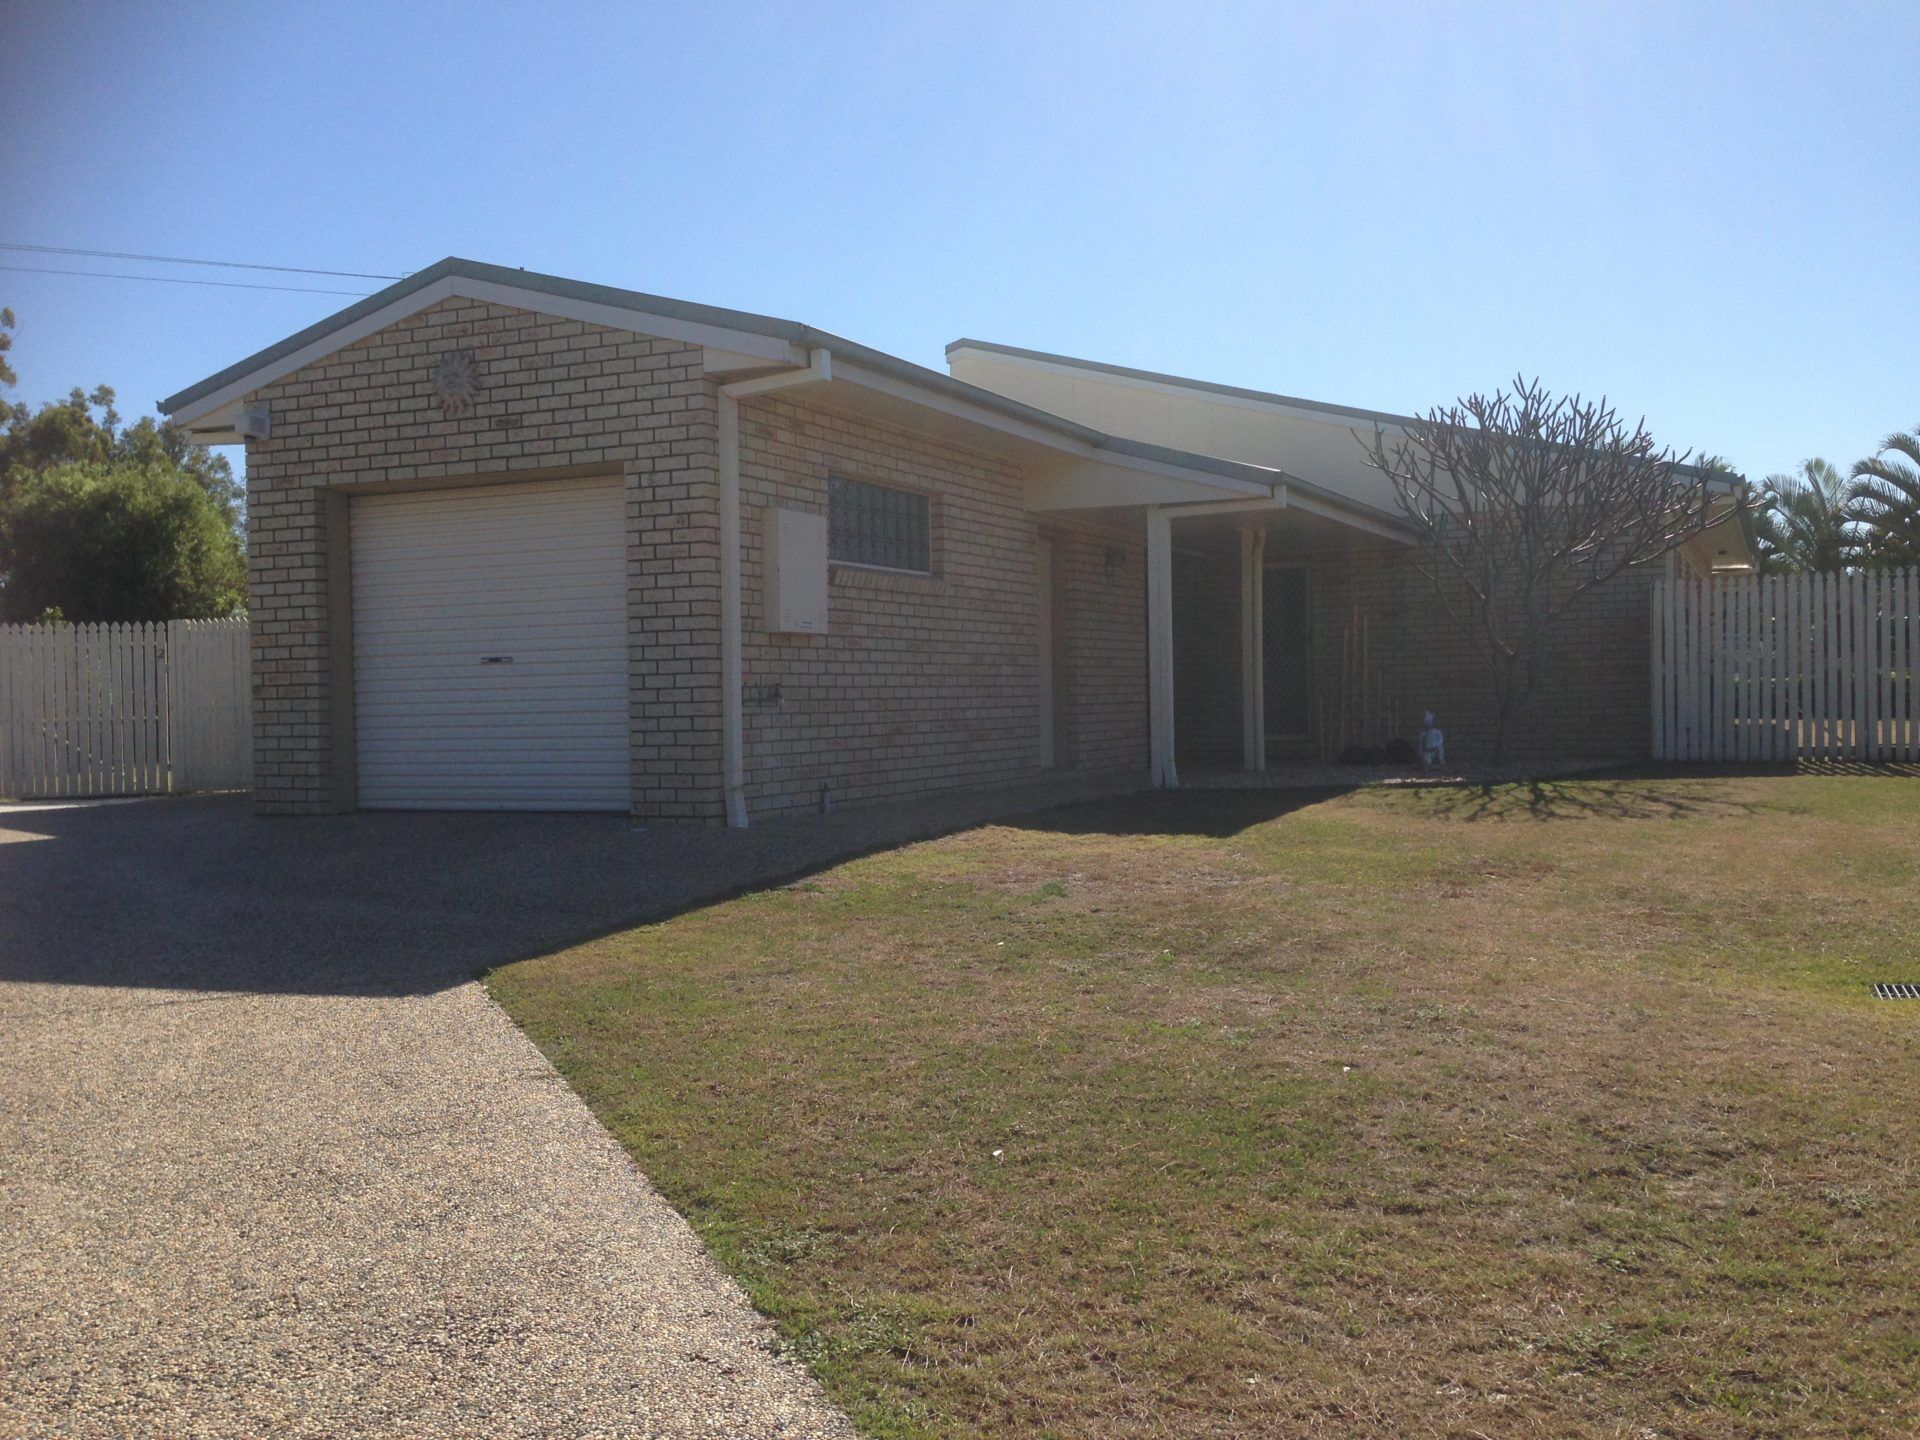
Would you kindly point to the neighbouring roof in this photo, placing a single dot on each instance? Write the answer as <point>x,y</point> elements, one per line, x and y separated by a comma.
<point>1205,387</point>
<point>1267,397</point>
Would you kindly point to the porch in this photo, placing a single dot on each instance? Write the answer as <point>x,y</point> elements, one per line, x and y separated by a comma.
<point>1286,636</point>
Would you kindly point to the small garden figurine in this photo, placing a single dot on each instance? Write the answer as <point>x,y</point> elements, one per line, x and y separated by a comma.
<point>1433,744</point>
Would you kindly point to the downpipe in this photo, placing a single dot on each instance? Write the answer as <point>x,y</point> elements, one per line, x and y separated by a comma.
<point>733,760</point>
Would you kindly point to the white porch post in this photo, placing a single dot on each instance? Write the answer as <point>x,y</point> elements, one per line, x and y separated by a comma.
<point>1253,684</point>
<point>1160,648</point>
<point>1043,586</point>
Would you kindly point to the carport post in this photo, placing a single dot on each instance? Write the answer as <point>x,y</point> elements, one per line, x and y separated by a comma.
<point>1160,648</point>
<point>1253,691</point>
<point>1253,681</point>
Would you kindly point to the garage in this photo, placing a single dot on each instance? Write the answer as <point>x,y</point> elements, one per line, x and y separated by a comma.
<point>490,647</point>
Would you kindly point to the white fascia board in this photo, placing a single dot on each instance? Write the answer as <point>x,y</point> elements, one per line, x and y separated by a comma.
<point>1286,497</point>
<point>764,348</point>
<point>1221,485</point>
<point>1278,501</point>
<point>1093,486</point>
<point>1211,485</point>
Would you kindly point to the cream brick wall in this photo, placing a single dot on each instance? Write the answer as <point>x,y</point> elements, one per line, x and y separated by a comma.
<point>1105,576</point>
<point>923,682</point>
<point>1206,660</point>
<point>1597,705</point>
<point>556,394</point>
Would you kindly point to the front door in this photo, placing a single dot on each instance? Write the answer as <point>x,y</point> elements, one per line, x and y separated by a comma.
<point>1287,662</point>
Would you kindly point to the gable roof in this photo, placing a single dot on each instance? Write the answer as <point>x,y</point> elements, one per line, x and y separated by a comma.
<point>747,337</point>
<point>354,317</point>
<point>736,341</point>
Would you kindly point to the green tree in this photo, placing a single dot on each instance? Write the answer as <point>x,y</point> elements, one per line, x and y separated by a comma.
<point>1886,501</point>
<point>85,428</point>
<point>116,540</point>
<point>105,521</point>
<point>1804,521</point>
<point>59,432</point>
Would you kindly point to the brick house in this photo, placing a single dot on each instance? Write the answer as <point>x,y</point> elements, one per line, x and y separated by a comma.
<point>520,542</point>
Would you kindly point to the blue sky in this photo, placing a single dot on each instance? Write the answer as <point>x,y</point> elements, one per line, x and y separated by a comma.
<point>1710,213</point>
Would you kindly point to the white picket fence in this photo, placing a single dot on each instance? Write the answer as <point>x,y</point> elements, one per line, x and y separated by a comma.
<point>124,709</point>
<point>1787,667</point>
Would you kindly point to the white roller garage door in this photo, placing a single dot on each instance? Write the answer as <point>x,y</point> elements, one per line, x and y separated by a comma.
<point>490,648</point>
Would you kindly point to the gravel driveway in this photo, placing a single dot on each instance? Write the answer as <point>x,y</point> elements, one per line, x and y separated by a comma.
<point>271,1162</point>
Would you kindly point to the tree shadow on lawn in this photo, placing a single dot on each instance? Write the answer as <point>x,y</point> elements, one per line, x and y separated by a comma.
<point>1638,792</point>
<point>1221,813</point>
<point>1612,798</point>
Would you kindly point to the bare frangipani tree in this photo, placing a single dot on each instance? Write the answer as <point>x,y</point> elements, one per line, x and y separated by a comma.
<point>1525,502</point>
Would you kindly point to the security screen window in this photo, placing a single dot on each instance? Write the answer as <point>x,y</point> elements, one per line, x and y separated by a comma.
<point>878,526</point>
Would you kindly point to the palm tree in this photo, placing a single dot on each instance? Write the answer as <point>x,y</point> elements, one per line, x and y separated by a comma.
<point>1886,500</point>
<point>1804,521</point>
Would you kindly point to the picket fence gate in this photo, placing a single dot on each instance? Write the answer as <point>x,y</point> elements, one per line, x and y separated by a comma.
<point>124,709</point>
<point>1787,667</point>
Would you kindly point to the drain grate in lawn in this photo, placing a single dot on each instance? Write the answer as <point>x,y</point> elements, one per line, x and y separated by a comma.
<point>1896,990</point>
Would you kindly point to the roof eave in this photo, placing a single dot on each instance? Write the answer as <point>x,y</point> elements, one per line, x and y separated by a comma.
<point>775,341</point>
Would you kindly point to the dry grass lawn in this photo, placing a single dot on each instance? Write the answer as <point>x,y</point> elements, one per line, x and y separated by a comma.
<point>1534,1111</point>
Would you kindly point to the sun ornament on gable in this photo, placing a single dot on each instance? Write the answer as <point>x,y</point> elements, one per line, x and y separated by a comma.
<point>456,381</point>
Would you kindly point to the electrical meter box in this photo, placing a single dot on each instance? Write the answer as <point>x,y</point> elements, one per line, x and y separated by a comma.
<point>795,561</point>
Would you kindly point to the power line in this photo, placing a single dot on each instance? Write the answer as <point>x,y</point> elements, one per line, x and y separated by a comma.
<point>179,260</point>
<point>181,280</point>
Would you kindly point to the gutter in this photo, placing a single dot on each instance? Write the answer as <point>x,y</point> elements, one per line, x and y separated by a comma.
<point>733,760</point>
<point>631,310</point>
